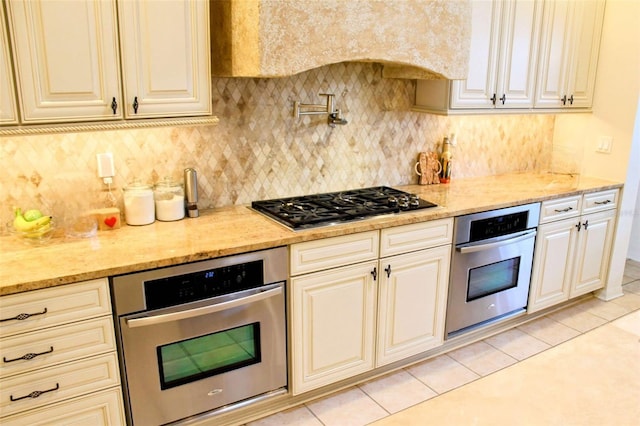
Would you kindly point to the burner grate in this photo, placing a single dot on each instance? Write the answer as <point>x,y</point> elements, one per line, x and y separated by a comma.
<point>316,210</point>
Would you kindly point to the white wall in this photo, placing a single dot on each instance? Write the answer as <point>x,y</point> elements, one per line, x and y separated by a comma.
<point>614,114</point>
<point>634,243</point>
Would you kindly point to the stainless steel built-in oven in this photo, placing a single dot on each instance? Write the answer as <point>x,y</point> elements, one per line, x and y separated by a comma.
<point>196,337</point>
<point>490,266</point>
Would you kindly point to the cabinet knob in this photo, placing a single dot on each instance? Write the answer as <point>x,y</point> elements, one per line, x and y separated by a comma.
<point>388,270</point>
<point>579,226</point>
<point>114,105</point>
<point>503,98</point>
<point>374,273</point>
<point>493,99</point>
<point>135,105</point>
<point>585,224</point>
<point>571,99</point>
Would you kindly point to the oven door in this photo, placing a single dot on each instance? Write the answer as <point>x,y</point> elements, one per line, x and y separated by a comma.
<point>489,279</point>
<point>186,360</point>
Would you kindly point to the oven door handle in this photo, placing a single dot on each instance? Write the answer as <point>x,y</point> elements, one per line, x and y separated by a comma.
<point>203,310</point>
<point>475,247</point>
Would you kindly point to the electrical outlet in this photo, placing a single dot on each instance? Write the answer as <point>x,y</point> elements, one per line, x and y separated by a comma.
<point>604,145</point>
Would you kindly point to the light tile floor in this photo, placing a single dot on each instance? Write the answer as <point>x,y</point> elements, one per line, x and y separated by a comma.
<point>395,393</point>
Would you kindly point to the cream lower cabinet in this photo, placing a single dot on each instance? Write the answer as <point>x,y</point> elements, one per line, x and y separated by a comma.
<point>412,302</point>
<point>59,360</point>
<point>572,254</point>
<point>333,322</point>
<point>352,311</point>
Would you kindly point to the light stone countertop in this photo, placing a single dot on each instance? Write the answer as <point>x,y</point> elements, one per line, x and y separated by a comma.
<point>238,229</point>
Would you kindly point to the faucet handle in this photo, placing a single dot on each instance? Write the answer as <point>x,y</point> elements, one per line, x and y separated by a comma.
<point>330,98</point>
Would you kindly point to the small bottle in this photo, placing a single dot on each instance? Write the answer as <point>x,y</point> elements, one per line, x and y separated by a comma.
<point>138,204</point>
<point>445,160</point>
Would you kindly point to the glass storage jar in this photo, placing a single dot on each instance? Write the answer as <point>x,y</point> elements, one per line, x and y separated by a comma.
<point>169,199</point>
<point>138,204</point>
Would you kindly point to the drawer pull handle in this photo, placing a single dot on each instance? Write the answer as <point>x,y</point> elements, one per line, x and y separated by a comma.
<point>28,356</point>
<point>603,202</point>
<point>388,270</point>
<point>568,209</point>
<point>21,317</point>
<point>34,394</point>
<point>374,273</point>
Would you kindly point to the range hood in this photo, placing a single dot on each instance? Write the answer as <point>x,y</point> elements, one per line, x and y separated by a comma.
<point>426,39</point>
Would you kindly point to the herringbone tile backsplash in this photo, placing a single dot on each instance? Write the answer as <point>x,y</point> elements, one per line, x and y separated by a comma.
<point>260,150</point>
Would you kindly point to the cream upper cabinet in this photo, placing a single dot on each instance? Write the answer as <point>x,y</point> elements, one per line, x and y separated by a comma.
<point>66,59</point>
<point>8,111</point>
<point>68,54</point>
<point>504,44</point>
<point>570,43</point>
<point>165,58</point>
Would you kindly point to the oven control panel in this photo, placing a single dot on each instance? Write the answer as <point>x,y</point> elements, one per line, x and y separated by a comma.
<point>497,226</point>
<point>176,290</point>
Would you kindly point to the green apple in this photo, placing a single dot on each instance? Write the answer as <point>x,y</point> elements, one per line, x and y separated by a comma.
<point>32,214</point>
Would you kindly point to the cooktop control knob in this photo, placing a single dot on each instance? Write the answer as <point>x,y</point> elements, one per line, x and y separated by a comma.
<point>403,202</point>
<point>392,201</point>
<point>414,200</point>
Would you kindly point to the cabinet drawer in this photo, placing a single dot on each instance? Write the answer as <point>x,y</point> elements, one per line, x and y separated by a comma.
<point>58,383</point>
<point>54,306</point>
<point>56,345</point>
<point>97,409</point>
<point>560,209</point>
<point>332,252</point>
<point>417,236</point>
<point>599,201</point>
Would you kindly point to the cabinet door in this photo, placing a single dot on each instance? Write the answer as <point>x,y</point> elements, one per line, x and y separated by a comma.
<point>165,58</point>
<point>555,54</point>
<point>333,325</point>
<point>477,90</point>
<point>588,17</point>
<point>552,266</point>
<point>8,111</point>
<point>411,304</point>
<point>592,256</point>
<point>520,37</point>
<point>569,48</point>
<point>66,57</point>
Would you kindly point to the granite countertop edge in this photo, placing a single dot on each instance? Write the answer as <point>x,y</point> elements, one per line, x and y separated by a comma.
<point>238,229</point>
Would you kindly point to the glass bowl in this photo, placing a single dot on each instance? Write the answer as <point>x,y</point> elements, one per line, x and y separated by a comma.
<point>35,237</point>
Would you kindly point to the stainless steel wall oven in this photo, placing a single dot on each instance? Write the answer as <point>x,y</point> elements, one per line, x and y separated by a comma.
<point>196,337</point>
<point>491,266</point>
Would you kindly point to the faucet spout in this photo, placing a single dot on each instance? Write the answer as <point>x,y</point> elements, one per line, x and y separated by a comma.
<point>336,118</point>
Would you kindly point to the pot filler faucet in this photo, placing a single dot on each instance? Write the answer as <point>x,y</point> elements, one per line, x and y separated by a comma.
<point>335,114</point>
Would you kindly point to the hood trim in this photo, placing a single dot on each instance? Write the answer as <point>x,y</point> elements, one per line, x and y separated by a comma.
<point>277,38</point>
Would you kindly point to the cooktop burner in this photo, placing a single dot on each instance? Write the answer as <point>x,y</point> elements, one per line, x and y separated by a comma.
<point>337,207</point>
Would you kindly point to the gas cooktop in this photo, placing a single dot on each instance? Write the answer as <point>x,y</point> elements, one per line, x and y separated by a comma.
<point>333,208</point>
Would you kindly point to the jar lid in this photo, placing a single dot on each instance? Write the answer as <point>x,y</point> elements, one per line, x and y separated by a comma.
<point>137,185</point>
<point>168,184</point>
